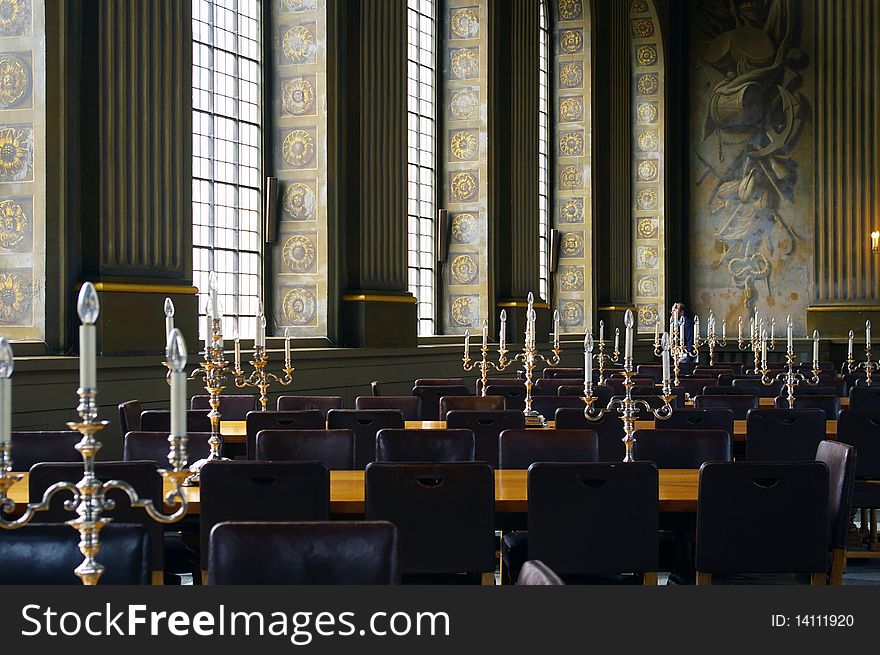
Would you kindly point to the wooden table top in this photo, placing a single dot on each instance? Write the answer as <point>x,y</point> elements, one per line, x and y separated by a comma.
<point>677,492</point>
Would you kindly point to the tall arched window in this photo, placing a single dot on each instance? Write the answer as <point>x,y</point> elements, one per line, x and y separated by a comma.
<point>543,147</point>
<point>421,94</point>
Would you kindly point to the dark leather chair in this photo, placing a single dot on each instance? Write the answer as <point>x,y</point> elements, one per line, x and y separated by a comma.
<point>29,448</point>
<point>409,406</point>
<point>424,445</point>
<point>594,519</point>
<point>546,406</point>
<point>312,419</point>
<point>861,428</point>
<point>431,396</point>
<point>154,446</point>
<point>310,553</point>
<point>143,476</point>
<point>486,426</point>
<point>434,382</point>
<point>335,449</point>
<point>497,382</point>
<point>233,407</point>
<point>718,390</point>
<point>302,403</point>
<point>608,429</point>
<point>828,404</point>
<point>514,394</point>
<point>653,400</point>
<point>784,435</point>
<point>130,416</point>
<point>864,397</point>
<point>470,403</point>
<point>519,449</point>
<point>764,390</point>
<point>261,491</point>
<point>655,391</point>
<point>535,573</point>
<point>822,389</point>
<point>562,372</point>
<point>681,449</point>
<point>366,425</point>
<point>444,513</point>
<point>700,419</point>
<point>739,530</point>
<point>653,371</point>
<point>47,554</point>
<point>616,383</point>
<point>550,386</point>
<point>741,405</point>
<point>840,458</point>
<point>859,380</point>
<point>694,385</point>
<point>712,371</point>
<point>159,420</point>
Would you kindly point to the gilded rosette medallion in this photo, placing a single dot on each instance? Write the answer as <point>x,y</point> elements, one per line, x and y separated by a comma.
<point>647,228</point>
<point>638,7</point>
<point>15,80</point>
<point>299,202</point>
<point>571,313</point>
<point>571,108</point>
<point>464,228</point>
<point>570,9</point>
<point>300,5</point>
<point>466,63</point>
<point>571,211</point>
<point>15,298</point>
<point>571,177</point>
<point>571,144</point>
<point>647,257</point>
<point>642,28</point>
<point>646,55</point>
<point>299,306</point>
<point>298,97</point>
<point>647,199</point>
<point>572,245</point>
<point>647,170</point>
<point>14,17</point>
<point>298,44</point>
<point>571,278</point>
<point>465,23</point>
<point>464,269</point>
<point>299,253</point>
<point>647,112</point>
<point>648,315</point>
<point>14,225</point>
<point>571,41</point>
<point>647,286</point>
<point>15,153</point>
<point>464,104</point>
<point>464,186</point>
<point>298,148</point>
<point>648,85</point>
<point>571,75</point>
<point>464,144</point>
<point>647,140</point>
<point>465,310</point>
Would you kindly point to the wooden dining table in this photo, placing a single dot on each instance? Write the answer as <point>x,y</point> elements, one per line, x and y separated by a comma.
<point>677,492</point>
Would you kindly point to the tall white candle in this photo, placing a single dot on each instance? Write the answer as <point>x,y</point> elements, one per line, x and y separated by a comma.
<point>209,328</point>
<point>467,342</point>
<point>175,355</point>
<point>696,328</point>
<point>169,317</point>
<point>764,350</point>
<point>485,333</point>
<point>772,329</point>
<point>849,346</point>
<point>602,331</point>
<point>657,330</point>
<point>588,357</point>
<point>502,337</point>
<point>7,364</point>
<point>868,333</point>
<point>664,344</point>
<point>628,343</point>
<point>260,340</point>
<point>556,328</point>
<point>616,339</point>
<point>681,332</point>
<point>740,329</point>
<point>88,308</point>
<point>815,348</point>
<point>236,340</point>
<point>789,333</point>
<point>287,347</point>
<point>723,329</point>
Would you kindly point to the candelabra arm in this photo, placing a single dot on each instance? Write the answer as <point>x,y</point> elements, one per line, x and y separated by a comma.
<point>174,497</point>
<point>8,505</point>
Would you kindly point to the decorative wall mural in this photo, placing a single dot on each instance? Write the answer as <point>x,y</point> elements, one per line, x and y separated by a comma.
<point>749,151</point>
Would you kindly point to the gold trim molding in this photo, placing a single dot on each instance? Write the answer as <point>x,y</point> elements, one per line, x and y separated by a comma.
<point>845,308</point>
<point>614,308</point>
<point>522,303</point>
<point>377,297</point>
<point>125,287</point>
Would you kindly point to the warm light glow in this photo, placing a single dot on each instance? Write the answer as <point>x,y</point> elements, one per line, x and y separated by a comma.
<point>169,308</point>
<point>875,242</point>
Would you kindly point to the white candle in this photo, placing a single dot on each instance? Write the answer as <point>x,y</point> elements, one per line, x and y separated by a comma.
<point>588,358</point>
<point>628,344</point>
<point>485,333</point>
<point>772,329</point>
<point>286,347</point>
<point>7,364</point>
<point>764,350</point>
<point>790,335</point>
<point>601,331</point>
<point>260,340</point>
<point>657,331</point>
<point>208,330</point>
<point>849,346</point>
<point>467,342</point>
<point>502,337</point>
<point>723,329</point>
<point>175,355</point>
<point>556,329</point>
<point>169,317</point>
<point>616,339</point>
<point>237,341</point>
<point>696,328</point>
<point>815,348</point>
<point>868,333</point>
<point>681,332</point>
<point>664,343</point>
<point>740,331</point>
<point>88,309</point>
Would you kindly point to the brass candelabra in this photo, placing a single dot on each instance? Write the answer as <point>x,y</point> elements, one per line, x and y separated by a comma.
<point>260,378</point>
<point>712,340</point>
<point>789,378</point>
<point>601,357</point>
<point>868,366</point>
<point>754,343</point>
<point>530,357</point>
<point>484,363</point>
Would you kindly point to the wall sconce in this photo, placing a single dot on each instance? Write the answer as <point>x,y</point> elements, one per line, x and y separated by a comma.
<point>875,242</point>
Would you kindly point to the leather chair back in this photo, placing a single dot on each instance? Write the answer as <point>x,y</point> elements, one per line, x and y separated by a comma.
<point>431,396</point>
<point>654,392</point>
<point>616,383</point>
<point>29,448</point>
<point>682,449</point>
<point>497,382</point>
<point>718,390</point>
<point>653,400</point>
<point>694,385</point>
<point>864,397</point>
<point>435,382</point>
<point>470,403</point>
<point>233,407</point>
<point>519,449</point>
<point>550,386</point>
<point>304,553</point>
<point>712,371</point>
<point>764,390</point>
<point>535,573</point>
<point>514,394</point>
<point>828,404</point>
<point>738,518</point>
<point>261,491</point>
<point>653,371</point>
<point>444,513</point>
<point>335,449</point>
<point>486,426</point>
<point>562,372</point>
<point>302,403</point>
<point>311,419</point>
<point>859,380</point>
<point>784,435</point>
<point>594,518</point>
<point>861,428</point>
<point>700,419</point>
<point>436,446</point>
<point>143,476</point>
<point>824,388</point>
<point>547,405</point>
<point>409,406</point>
<point>129,416</point>
<point>741,405</point>
<point>159,420</point>
<point>840,458</point>
<point>366,425</point>
<point>47,554</point>
<point>608,429</point>
<point>154,446</point>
